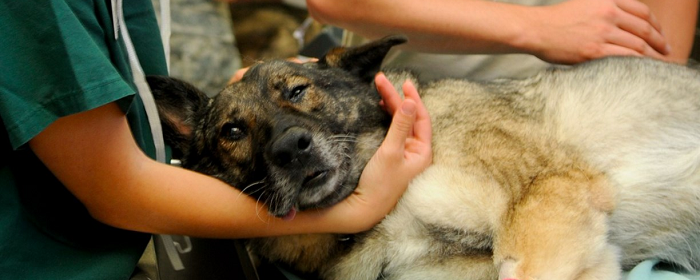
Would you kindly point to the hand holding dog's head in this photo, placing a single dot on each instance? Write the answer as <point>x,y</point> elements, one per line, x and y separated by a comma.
<point>295,136</point>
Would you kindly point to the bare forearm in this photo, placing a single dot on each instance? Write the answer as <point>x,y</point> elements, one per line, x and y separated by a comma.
<point>95,156</point>
<point>569,32</point>
<point>176,201</point>
<point>677,18</point>
<point>443,26</point>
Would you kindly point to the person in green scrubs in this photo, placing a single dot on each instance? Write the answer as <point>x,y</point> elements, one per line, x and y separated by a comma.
<point>79,191</point>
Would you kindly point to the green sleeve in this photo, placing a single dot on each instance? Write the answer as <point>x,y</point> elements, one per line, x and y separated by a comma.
<point>57,58</point>
<point>61,57</point>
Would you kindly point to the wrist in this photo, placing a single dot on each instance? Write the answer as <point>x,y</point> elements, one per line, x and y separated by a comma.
<point>337,219</point>
<point>527,30</point>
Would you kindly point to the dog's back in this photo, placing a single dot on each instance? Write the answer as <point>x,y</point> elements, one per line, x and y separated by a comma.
<point>637,121</point>
<point>629,123</point>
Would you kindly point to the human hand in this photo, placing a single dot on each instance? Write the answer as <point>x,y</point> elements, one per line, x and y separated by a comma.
<point>580,30</point>
<point>237,75</point>
<point>240,72</point>
<point>405,152</point>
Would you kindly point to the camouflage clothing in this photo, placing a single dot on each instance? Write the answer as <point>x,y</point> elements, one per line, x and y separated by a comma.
<point>202,46</point>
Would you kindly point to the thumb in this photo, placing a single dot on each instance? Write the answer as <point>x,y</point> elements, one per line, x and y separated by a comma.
<point>401,125</point>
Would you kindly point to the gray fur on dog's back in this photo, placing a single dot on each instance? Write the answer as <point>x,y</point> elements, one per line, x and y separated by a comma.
<point>645,137</point>
<point>634,119</point>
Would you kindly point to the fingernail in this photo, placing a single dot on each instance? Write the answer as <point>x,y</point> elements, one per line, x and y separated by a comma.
<point>408,108</point>
<point>380,75</point>
<point>668,48</point>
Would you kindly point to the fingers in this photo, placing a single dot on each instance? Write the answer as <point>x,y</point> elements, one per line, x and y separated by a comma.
<point>390,98</point>
<point>585,30</point>
<point>625,43</point>
<point>240,72</point>
<point>302,59</point>
<point>640,10</point>
<point>401,126</point>
<point>238,75</point>
<point>422,129</point>
<point>638,20</point>
<point>613,49</point>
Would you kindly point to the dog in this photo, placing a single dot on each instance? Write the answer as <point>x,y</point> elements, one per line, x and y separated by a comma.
<point>574,173</point>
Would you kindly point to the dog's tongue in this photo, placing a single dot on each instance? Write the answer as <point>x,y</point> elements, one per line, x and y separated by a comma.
<point>290,215</point>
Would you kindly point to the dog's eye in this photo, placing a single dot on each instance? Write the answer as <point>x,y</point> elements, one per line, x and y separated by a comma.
<point>296,93</point>
<point>233,131</point>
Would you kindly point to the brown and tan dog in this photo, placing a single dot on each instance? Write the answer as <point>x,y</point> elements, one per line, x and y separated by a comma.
<point>570,174</point>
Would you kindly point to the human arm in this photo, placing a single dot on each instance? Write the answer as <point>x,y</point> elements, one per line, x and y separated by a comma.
<point>678,20</point>
<point>568,32</point>
<point>94,155</point>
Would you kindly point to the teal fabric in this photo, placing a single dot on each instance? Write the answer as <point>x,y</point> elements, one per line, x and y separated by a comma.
<point>57,58</point>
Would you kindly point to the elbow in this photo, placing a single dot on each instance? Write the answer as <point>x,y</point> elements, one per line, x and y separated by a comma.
<point>123,220</point>
<point>108,216</point>
<point>118,215</point>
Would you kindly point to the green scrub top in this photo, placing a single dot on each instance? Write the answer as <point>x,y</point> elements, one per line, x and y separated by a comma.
<point>57,58</point>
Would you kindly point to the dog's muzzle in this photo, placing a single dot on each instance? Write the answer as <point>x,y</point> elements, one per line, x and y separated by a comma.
<point>292,148</point>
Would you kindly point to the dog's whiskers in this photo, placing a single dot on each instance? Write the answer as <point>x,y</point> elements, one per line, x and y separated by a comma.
<point>252,185</point>
<point>342,136</point>
<point>343,141</point>
<point>257,209</point>
<point>271,204</point>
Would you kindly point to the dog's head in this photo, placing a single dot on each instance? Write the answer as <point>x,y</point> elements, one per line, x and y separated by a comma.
<point>295,136</point>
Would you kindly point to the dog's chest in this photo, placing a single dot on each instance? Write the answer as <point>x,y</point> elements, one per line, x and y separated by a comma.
<point>444,212</point>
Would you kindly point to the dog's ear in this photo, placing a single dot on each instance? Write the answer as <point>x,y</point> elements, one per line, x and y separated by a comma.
<point>363,61</point>
<point>178,104</point>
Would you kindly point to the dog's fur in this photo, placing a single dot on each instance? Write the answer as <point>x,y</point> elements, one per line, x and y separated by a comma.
<point>570,174</point>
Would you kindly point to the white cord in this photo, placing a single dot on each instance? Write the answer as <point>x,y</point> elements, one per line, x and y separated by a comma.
<point>149,104</point>
<point>140,80</point>
<point>165,29</point>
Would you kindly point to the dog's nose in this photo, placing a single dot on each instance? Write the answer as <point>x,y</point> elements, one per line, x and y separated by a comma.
<point>291,147</point>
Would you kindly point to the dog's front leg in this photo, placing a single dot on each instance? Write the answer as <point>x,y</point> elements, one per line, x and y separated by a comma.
<point>557,230</point>
<point>364,261</point>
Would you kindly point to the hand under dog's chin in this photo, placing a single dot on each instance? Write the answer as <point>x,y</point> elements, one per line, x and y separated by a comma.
<point>334,190</point>
<point>322,189</point>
